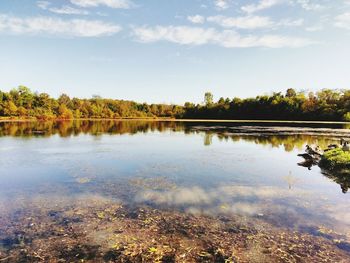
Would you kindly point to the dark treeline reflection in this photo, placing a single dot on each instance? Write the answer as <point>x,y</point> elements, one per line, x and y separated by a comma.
<point>74,128</point>
<point>288,142</point>
<point>219,134</point>
<point>340,177</point>
<point>95,128</point>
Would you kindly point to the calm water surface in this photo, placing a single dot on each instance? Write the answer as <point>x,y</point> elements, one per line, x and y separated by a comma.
<point>201,169</point>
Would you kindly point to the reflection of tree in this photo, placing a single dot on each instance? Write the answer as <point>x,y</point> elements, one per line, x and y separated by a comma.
<point>65,128</point>
<point>73,128</point>
<point>288,142</point>
<point>340,177</point>
<point>96,128</point>
<point>290,179</point>
<point>208,139</point>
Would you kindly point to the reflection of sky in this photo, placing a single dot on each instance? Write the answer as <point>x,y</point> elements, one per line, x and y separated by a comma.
<point>223,177</point>
<point>292,207</point>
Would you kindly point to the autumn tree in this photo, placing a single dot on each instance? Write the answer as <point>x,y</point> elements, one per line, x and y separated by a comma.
<point>64,112</point>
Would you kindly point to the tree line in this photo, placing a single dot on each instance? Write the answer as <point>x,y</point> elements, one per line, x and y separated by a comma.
<point>24,103</point>
<point>327,105</point>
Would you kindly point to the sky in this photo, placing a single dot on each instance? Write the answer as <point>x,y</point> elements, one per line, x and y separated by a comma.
<point>173,51</point>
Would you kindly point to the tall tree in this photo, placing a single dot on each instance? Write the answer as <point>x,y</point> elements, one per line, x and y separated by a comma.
<point>208,98</point>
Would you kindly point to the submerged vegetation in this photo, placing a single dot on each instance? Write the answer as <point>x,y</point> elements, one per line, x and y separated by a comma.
<point>89,227</point>
<point>331,105</point>
<point>101,231</point>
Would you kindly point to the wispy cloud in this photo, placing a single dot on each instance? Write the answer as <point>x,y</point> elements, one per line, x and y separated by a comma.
<point>253,22</point>
<point>291,22</point>
<point>310,5</point>
<point>245,22</point>
<point>185,35</point>
<point>68,10</point>
<point>123,4</point>
<point>65,10</point>
<point>343,20</point>
<point>263,4</point>
<point>43,4</point>
<point>56,26</point>
<point>221,4</point>
<point>196,19</point>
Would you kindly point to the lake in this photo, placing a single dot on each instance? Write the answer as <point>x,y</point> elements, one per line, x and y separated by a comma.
<point>153,191</point>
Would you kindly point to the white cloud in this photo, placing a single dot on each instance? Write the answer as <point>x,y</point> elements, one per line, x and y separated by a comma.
<point>196,19</point>
<point>56,26</point>
<point>263,4</point>
<point>65,10</point>
<point>343,21</point>
<point>222,4</point>
<point>176,34</point>
<point>43,4</point>
<point>185,35</point>
<point>245,22</point>
<point>252,22</point>
<point>68,10</point>
<point>124,4</point>
<point>310,5</point>
<point>291,23</point>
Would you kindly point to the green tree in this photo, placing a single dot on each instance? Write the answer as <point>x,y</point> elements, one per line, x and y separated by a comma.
<point>291,93</point>
<point>208,98</point>
<point>26,97</point>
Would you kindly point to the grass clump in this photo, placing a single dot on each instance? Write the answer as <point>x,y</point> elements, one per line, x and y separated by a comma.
<point>336,159</point>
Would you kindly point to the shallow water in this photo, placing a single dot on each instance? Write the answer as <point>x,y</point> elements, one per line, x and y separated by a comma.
<point>200,169</point>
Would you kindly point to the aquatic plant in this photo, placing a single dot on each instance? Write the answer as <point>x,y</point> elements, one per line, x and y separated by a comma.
<point>335,159</point>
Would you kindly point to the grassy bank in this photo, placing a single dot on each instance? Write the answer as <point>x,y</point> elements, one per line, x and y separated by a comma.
<point>336,159</point>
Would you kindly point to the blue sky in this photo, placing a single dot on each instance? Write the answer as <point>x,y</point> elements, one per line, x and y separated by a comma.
<point>174,50</point>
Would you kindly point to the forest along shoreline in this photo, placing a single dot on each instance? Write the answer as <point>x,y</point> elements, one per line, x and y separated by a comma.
<point>325,105</point>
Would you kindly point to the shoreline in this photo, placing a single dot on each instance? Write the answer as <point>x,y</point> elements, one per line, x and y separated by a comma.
<point>180,120</point>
